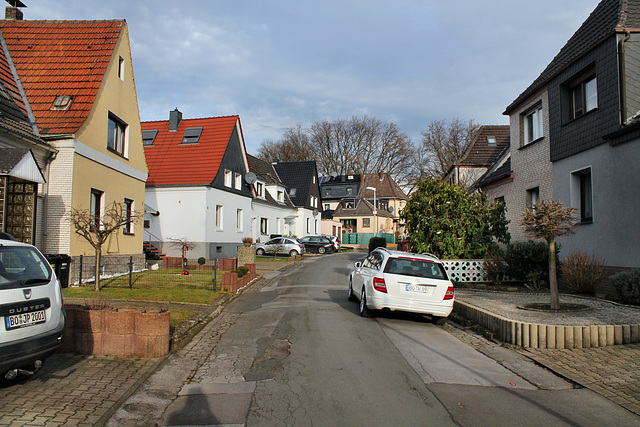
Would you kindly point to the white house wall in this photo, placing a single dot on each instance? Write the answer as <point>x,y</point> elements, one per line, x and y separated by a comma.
<point>277,222</point>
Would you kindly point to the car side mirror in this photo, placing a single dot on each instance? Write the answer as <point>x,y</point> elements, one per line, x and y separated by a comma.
<point>357,264</point>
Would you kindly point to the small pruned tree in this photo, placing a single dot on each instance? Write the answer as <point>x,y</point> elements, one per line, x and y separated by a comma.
<point>447,221</point>
<point>183,245</point>
<point>548,221</point>
<point>96,229</point>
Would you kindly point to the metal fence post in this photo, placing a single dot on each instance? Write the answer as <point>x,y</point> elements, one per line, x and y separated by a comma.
<point>130,270</point>
<point>215,274</point>
<point>80,271</point>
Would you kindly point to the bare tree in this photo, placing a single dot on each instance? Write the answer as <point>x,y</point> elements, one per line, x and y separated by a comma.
<point>97,229</point>
<point>183,245</point>
<point>445,143</point>
<point>549,220</point>
<point>294,146</point>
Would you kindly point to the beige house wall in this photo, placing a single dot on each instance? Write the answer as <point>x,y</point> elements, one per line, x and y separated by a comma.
<point>85,163</point>
<point>531,166</point>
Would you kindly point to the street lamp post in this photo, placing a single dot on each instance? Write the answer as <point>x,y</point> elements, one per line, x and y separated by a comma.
<point>375,212</point>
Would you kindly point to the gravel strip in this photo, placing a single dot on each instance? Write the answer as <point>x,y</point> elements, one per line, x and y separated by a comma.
<point>506,304</point>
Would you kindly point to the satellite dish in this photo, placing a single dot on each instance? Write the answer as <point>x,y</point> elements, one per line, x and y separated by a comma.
<point>390,209</point>
<point>315,212</point>
<point>250,178</point>
<point>333,174</point>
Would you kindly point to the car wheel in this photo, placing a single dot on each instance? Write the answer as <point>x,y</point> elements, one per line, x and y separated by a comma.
<point>350,295</point>
<point>437,320</point>
<point>364,310</point>
<point>321,250</point>
<point>259,251</point>
<point>293,252</point>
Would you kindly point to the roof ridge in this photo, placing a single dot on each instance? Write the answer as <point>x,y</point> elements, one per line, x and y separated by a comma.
<point>191,119</point>
<point>66,21</point>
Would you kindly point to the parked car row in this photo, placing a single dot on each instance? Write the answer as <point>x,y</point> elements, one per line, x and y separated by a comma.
<point>292,246</point>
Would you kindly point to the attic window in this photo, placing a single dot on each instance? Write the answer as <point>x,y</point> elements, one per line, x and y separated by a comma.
<point>148,136</point>
<point>121,68</point>
<point>491,140</point>
<point>292,192</point>
<point>62,102</point>
<point>192,135</point>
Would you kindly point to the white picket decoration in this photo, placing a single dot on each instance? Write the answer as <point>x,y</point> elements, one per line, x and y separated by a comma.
<point>464,270</point>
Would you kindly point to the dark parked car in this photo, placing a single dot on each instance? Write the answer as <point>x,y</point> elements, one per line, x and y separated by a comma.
<point>318,244</point>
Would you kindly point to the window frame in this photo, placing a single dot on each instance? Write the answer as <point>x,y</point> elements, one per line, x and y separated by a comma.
<point>531,200</point>
<point>117,135</point>
<point>228,178</point>
<point>264,226</point>
<point>532,130</point>
<point>129,205</point>
<point>219,219</point>
<point>239,219</point>
<point>96,208</point>
<point>120,67</point>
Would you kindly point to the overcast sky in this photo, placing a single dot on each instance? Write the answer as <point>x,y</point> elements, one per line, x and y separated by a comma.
<point>280,63</point>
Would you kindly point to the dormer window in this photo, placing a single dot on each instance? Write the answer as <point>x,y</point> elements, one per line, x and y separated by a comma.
<point>192,135</point>
<point>148,136</point>
<point>62,102</point>
<point>259,189</point>
<point>280,196</point>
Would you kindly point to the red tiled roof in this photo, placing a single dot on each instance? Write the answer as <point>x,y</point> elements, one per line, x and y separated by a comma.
<point>56,58</point>
<point>173,163</point>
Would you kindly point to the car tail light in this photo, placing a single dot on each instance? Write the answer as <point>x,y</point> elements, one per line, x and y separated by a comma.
<point>379,284</point>
<point>449,293</point>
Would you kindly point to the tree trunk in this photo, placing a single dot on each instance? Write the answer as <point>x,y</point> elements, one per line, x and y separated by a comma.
<point>97,267</point>
<point>553,278</point>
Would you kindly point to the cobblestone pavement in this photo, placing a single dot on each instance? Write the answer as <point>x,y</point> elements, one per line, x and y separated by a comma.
<point>613,372</point>
<point>71,390</point>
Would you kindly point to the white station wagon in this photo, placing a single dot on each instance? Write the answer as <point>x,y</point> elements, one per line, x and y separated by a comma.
<point>401,281</point>
<point>31,308</point>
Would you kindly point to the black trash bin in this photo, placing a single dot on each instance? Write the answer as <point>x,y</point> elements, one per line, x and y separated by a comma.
<point>60,264</point>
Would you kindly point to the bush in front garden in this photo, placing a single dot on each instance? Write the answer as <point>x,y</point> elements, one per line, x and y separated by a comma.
<point>628,285</point>
<point>581,272</point>
<point>523,258</point>
<point>377,242</point>
<point>242,270</point>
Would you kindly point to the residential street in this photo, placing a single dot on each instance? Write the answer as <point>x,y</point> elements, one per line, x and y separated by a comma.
<point>295,352</point>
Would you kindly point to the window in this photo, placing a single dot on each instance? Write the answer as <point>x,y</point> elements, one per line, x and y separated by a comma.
<point>584,97</point>
<point>219,216</point>
<point>308,225</point>
<point>586,197</point>
<point>121,68</point>
<point>350,204</point>
<point>532,125</point>
<point>366,222</point>
<point>128,206</point>
<point>326,207</point>
<point>96,206</point>
<point>239,218</point>
<point>228,178</point>
<point>491,140</point>
<point>263,226</point>
<point>62,102</point>
<point>280,196</point>
<point>260,189</point>
<point>533,197</point>
<point>327,191</point>
<point>237,181</point>
<point>117,134</point>
<point>148,136</point>
<point>349,190</point>
<point>316,227</point>
<point>292,192</point>
<point>147,223</point>
<point>191,135</point>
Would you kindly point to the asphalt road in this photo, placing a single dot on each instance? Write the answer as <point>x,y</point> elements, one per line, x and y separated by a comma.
<point>295,352</point>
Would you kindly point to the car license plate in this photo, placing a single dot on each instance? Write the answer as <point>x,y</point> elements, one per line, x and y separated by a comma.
<point>420,288</point>
<point>25,319</point>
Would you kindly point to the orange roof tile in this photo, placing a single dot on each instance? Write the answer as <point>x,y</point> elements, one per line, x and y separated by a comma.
<point>173,163</point>
<point>56,58</point>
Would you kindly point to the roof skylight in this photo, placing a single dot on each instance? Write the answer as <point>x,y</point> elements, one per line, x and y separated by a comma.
<point>192,135</point>
<point>148,136</point>
<point>62,102</point>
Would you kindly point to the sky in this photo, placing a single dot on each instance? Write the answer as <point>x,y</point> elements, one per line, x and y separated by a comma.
<point>283,63</point>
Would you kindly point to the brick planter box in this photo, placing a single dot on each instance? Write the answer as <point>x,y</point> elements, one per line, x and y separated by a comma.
<point>122,332</point>
<point>231,282</point>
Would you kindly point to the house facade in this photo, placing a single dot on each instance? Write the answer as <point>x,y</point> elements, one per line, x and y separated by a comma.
<point>197,188</point>
<point>87,112</point>
<point>301,180</point>
<point>575,137</point>
<point>273,212</point>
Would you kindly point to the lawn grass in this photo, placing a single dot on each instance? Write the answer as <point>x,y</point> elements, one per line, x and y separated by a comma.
<point>166,278</point>
<point>196,296</point>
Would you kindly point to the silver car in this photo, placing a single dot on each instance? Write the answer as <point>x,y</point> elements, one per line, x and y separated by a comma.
<point>31,309</point>
<point>280,245</point>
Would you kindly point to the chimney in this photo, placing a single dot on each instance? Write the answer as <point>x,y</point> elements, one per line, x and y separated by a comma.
<point>12,12</point>
<point>175,117</point>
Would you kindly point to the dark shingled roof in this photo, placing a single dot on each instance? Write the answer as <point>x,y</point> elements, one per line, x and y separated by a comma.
<point>298,175</point>
<point>362,208</point>
<point>483,154</point>
<point>384,185</point>
<point>266,172</point>
<point>609,17</point>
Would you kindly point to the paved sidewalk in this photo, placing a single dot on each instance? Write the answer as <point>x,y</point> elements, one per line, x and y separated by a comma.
<point>613,372</point>
<point>71,390</point>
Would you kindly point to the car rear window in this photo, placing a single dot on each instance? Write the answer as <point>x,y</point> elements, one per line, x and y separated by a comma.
<point>415,267</point>
<point>22,266</point>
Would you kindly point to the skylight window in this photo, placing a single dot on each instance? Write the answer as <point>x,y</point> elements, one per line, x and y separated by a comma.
<point>192,135</point>
<point>62,102</point>
<point>292,192</point>
<point>148,136</point>
<point>491,140</point>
